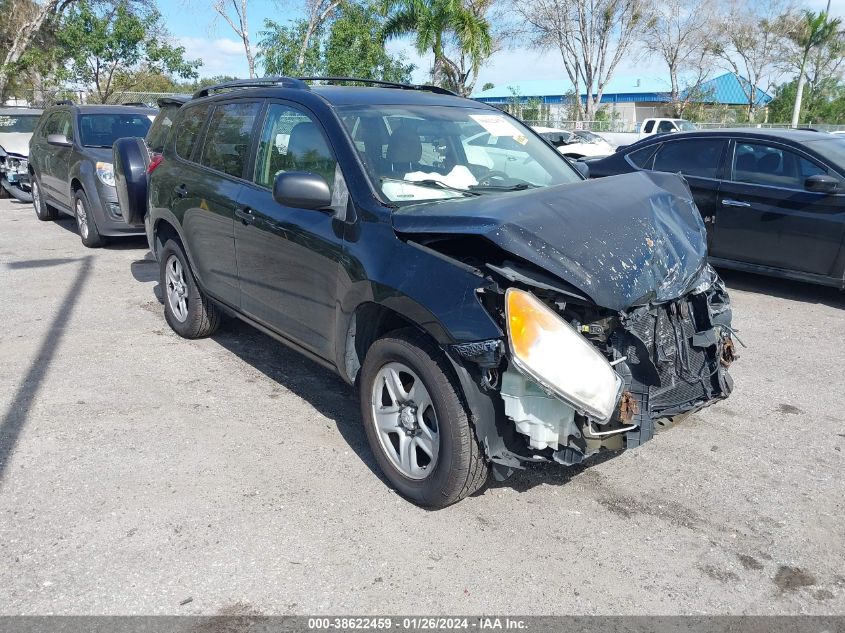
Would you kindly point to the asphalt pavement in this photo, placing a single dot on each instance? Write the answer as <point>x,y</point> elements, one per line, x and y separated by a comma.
<point>139,470</point>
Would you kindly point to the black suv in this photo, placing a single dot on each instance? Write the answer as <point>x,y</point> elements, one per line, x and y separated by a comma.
<point>71,169</point>
<point>493,308</point>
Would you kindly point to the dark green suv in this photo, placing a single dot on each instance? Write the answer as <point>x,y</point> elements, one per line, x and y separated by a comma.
<point>493,308</point>
<point>70,166</point>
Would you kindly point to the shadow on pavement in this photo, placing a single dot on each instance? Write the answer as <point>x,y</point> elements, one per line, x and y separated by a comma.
<point>146,269</point>
<point>18,411</point>
<point>320,387</point>
<point>41,263</point>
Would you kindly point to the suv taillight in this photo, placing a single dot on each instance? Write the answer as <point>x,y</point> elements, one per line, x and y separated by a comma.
<point>154,162</point>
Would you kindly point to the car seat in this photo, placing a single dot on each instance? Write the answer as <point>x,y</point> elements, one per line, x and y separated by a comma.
<point>404,150</point>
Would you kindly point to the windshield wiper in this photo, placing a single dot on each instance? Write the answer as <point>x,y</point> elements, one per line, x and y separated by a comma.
<point>519,187</point>
<point>434,184</point>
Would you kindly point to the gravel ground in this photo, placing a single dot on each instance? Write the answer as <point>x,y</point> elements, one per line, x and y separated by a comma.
<point>138,470</point>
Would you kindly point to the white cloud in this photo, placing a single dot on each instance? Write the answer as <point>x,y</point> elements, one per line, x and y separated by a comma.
<point>220,56</point>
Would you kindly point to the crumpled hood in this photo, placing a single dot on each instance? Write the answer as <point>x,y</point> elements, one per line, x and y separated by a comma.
<point>16,143</point>
<point>623,240</point>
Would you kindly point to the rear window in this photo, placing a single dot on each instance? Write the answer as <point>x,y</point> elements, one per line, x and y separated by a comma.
<point>160,129</point>
<point>22,124</point>
<point>642,157</point>
<point>102,130</point>
<point>229,136</point>
<point>188,128</point>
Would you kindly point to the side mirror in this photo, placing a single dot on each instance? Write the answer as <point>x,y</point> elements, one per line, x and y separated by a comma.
<point>821,183</point>
<point>59,140</point>
<point>581,168</point>
<point>302,190</point>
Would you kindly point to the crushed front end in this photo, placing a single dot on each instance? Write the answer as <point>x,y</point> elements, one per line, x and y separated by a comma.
<point>652,363</point>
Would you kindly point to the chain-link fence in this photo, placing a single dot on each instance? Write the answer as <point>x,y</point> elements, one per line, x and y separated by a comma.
<point>42,98</point>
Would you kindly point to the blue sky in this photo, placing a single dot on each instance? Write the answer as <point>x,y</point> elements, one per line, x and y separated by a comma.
<point>192,23</point>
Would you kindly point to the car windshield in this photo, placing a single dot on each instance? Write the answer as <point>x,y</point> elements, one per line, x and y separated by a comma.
<point>685,126</point>
<point>102,130</point>
<point>18,123</point>
<point>416,153</point>
<point>588,137</point>
<point>832,149</point>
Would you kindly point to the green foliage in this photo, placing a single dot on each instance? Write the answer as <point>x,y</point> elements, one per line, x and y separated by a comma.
<point>279,47</point>
<point>488,86</point>
<point>823,103</point>
<point>109,45</point>
<point>351,44</point>
<point>434,24</point>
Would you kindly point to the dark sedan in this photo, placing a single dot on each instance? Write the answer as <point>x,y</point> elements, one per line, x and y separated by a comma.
<point>773,201</point>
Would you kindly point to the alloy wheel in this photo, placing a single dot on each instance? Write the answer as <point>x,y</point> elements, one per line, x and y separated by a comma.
<point>36,196</point>
<point>177,289</point>
<point>405,420</point>
<point>82,218</point>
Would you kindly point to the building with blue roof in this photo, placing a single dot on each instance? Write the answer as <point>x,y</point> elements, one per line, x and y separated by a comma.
<point>630,99</point>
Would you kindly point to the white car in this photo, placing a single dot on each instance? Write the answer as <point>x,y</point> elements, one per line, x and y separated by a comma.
<point>506,155</point>
<point>16,127</point>
<point>576,144</point>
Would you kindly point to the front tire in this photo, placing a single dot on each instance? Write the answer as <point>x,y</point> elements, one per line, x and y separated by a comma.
<point>43,211</point>
<point>416,422</point>
<point>187,310</point>
<point>85,220</point>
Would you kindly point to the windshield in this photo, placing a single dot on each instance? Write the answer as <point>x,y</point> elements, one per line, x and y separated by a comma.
<point>102,130</point>
<point>685,126</point>
<point>588,137</point>
<point>832,149</point>
<point>20,123</point>
<point>416,153</point>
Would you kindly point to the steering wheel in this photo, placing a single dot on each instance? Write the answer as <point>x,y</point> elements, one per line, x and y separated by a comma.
<point>492,176</point>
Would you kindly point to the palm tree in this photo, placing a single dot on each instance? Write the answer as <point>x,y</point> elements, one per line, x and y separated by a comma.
<point>813,31</point>
<point>436,23</point>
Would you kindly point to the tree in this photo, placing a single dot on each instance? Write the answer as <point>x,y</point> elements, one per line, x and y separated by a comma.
<point>319,11</point>
<point>108,45</point>
<point>489,85</point>
<point>592,37</point>
<point>754,30</point>
<point>437,23</point>
<point>34,14</point>
<point>824,104</point>
<point>813,31</point>
<point>350,44</point>
<point>240,25</point>
<point>683,33</point>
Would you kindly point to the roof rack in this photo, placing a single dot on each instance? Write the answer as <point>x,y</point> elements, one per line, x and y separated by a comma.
<point>384,84</point>
<point>285,82</point>
<point>65,102</point>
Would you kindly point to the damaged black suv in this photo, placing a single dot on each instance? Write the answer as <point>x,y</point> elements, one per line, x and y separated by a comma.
<point>492,307</point>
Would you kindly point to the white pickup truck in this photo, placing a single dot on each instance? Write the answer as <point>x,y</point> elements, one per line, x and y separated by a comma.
<point>650,127</point>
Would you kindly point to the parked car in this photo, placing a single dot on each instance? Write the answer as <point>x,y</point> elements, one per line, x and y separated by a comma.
<point>489,321</point>
<point>575,144</point>
<point>71,169</point>
<point>773,200</point>
<point>650,127</point>
<point>16,127</point>
<point>141,153</point>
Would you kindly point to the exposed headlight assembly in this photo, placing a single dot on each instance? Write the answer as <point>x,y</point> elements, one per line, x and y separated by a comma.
<point>105,172</point>
<point>550,351</point>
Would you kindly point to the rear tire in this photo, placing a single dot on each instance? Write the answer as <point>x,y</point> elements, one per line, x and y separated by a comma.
<point>88,231</point>
<point>187,310</point>
<point>43,211</point>
<point>459,467</point>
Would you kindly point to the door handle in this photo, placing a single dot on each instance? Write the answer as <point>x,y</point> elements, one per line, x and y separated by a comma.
<point>181,191</point>
<point>245,215</point>
<point>727,202</point>
<point>511,158</point>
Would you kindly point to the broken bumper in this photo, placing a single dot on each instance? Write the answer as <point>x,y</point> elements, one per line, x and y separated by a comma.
<point>672,358</point>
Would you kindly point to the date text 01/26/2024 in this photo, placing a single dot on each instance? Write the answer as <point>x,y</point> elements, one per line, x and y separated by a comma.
<point>418,623</point>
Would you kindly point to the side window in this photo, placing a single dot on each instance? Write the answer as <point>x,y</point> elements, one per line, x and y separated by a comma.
<point>665,127</point>
<point>51,125</point>
<point>292,141</point>
<point>694,157</point>
<point>759,164</point>
<point>649,126</point>
<point>227,141</point>
<point>188,129</point>
<point>160,129</point>
<point>642,158</point>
